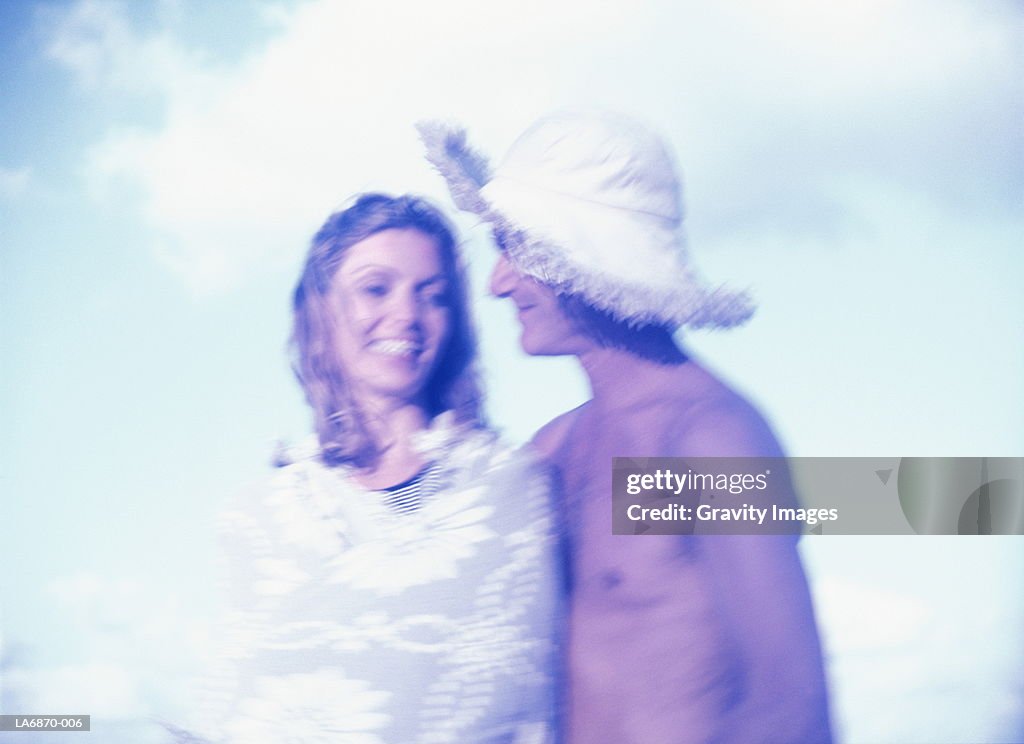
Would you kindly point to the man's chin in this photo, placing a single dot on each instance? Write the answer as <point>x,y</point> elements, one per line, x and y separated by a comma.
<point>533,349</point>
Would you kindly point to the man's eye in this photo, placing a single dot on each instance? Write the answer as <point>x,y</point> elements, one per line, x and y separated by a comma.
<point>501,239</point>
<point>375,290</point>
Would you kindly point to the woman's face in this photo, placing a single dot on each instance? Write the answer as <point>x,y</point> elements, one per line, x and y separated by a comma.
<point>547,330</point>
<point>391,303</point>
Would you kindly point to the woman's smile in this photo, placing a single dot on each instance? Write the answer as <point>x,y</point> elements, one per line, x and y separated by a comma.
<point>393,318</point>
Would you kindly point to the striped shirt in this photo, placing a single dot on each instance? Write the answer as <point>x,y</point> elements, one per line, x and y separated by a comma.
<point>407,496</point>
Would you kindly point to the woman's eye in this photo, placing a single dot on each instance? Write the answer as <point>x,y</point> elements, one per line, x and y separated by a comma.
<point>375,290</point>
<point>438,299</point>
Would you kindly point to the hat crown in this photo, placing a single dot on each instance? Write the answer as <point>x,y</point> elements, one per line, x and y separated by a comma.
<point>591,206</point>
<point>604,159</point>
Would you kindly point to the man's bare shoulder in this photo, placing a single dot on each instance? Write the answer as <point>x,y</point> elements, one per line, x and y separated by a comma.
<point>551,437</point>
<point>716,421</point>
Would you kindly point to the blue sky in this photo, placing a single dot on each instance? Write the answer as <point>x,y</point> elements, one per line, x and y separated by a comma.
<point>162,166</point>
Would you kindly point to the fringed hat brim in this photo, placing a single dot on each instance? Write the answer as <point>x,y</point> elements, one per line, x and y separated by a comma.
<point>465,170</point>
<point>678,299</point>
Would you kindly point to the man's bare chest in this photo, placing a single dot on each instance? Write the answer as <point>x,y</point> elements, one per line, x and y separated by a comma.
<point>616,570</point>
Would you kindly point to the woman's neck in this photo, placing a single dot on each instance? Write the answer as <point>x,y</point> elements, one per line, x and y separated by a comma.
<point>392,427</point>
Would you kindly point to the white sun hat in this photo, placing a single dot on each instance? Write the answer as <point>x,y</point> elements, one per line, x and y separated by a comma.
<point>590,204</point>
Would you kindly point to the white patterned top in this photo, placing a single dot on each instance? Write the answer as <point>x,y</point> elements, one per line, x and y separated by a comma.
<point>354,623</point>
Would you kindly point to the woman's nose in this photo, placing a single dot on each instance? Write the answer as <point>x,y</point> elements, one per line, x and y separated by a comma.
<point>407,307</point>
<point>503,277</point>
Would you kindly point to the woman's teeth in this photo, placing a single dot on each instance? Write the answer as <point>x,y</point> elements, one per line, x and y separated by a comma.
<point>395,347</point>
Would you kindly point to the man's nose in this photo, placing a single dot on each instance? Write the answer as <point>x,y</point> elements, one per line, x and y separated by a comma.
<point>503,277</point>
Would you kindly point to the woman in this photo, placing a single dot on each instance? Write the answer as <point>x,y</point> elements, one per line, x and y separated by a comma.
<point>397,582</point>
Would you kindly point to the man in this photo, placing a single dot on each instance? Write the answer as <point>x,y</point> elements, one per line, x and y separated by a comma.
<point>671,638</point>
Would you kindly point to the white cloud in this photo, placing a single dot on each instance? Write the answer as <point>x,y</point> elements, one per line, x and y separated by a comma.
<point>772,106</point>
<point>105,690</point>
<point>133,612</point>
<point>921,636</point>
<point>97,43</point>
<point>136,649</point>
<point>14,181</point>
<point>77,588</point>
<point>861,617</point>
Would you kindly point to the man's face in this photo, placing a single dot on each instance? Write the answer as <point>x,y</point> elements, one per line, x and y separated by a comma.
<point>547,331</point>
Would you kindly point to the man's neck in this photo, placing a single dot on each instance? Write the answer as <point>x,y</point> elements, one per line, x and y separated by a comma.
<point>621,379</point>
